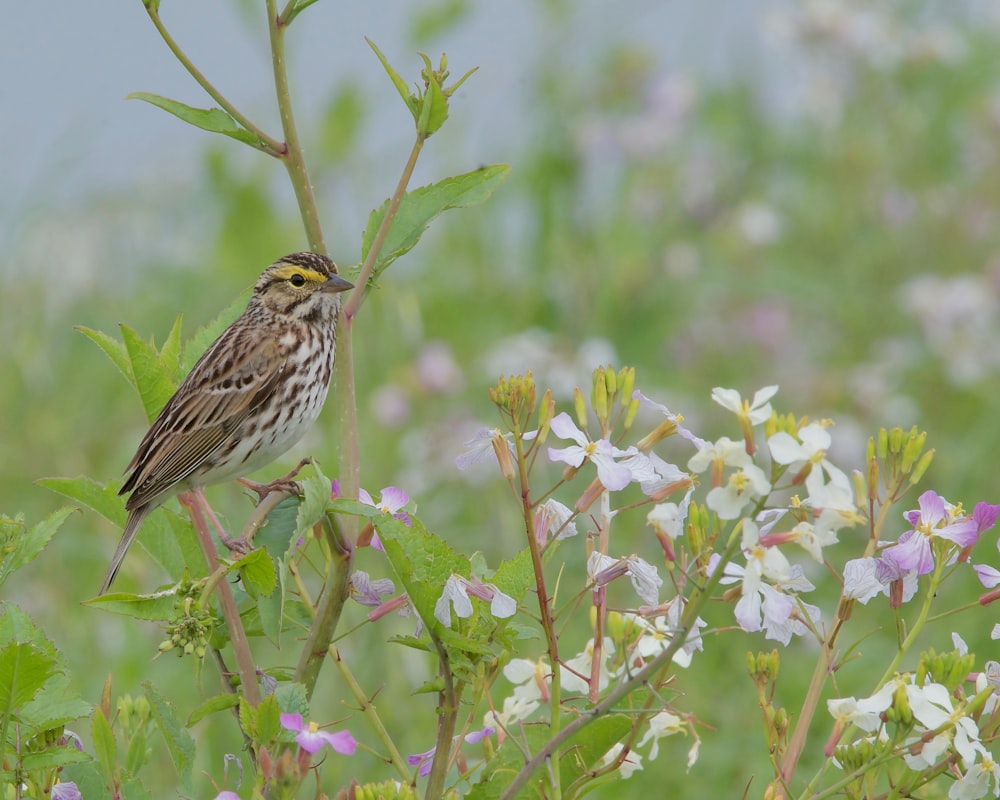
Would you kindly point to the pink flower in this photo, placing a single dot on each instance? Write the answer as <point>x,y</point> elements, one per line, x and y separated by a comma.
<point>311,738</point>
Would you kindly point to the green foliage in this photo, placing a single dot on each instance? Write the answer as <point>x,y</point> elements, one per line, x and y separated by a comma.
<point>214,120</point>
<point>419,207</point>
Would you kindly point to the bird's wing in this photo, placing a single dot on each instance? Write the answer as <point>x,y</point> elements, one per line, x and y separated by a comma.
<point>212,403</point>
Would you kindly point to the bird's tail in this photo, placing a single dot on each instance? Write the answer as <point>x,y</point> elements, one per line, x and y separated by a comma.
<point>135,519</point>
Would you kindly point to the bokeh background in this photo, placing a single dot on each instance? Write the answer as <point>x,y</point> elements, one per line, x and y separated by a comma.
<point>728,194</point>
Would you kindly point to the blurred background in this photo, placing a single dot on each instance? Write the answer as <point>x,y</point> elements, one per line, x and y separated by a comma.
<point>728,194</point>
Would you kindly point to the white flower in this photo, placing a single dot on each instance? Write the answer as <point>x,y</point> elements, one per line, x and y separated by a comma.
<point>632,762</point>
<point>668,519</point>
<point>662,724</point>
<point>456,593</point>
<point>646,581</point>
<point>581,664</point>
<point>743,487</point>
<point>553,516</point>
<point>757,411</point>
<point>602,453</point>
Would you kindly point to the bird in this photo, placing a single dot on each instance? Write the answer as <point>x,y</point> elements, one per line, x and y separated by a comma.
<point>252,395</point>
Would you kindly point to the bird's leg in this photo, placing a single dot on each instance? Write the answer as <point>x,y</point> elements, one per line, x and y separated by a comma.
<point>285,483</point>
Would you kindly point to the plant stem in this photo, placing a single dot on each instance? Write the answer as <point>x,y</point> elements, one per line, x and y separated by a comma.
<point>269,145</point>
<point>367,707</point>
<point>448,714</point>
<point>292,157</point>
<point>346,397</point>
<point>230,612</point>
<point>331,604</point>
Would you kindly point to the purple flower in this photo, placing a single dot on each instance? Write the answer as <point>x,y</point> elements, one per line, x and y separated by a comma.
<point>311,738</point>
<point>935,519</point>
<point>66,791</point>
<point>391,501</point>
<point>426,759</point>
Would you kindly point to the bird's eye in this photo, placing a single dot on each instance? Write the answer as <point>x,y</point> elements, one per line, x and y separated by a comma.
<point>297,280</point>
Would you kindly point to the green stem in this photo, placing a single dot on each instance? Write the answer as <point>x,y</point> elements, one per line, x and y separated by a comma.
<point>346,396</point>
<point>448,715</point>
<point>268,145</point>
<point>331,605</point>
<point>367,708</point>
<point>293,157</point>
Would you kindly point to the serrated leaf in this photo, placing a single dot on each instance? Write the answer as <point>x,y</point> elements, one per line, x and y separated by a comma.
<point>157,607</point>
<point>55,704</point>
<point>105,746</point>
<point>152,376</point>
<point>221,702</point>
<point>180,745</point>
<point>17,626</point>
<point>256,570</point>
<point>113,348</point>
<point>24,669</point>
<point>204,336</point>
<point>268,720</point>
<point>29,543</point>
<point>170,353</point>
<point>88,492</point>
<point>214,120</point>
<point>53,757</point>
<point>419,208</point>
<point>291,697</point>
<point>422,562</point>
<point>315,498</point>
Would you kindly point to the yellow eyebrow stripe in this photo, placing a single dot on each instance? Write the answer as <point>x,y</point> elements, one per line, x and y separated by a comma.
<point>286,272</point>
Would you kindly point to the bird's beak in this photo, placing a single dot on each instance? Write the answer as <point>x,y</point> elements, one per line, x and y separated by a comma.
<point>335,284</point>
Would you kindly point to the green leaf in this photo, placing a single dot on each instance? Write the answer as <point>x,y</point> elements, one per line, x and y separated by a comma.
<point>170,353</point>
<point>27,544</point>
<point>422,562</point>
<point>152,376</point>
<point>113,348</point>
<point>268,720</point>
<point>158,607</point>
<point>204,336</point>
<point>17,626</point>
<point>419,207</point>
<point>291,697</point>
<point>88,492</point>
<point>221,702</point>
<point>397,80</point>
<point>180,745</point>
<point>257,572</point>
<point>54,705</point>
<point>105,746</point>
<point>54,757</point>
<point>590,743</point>
<point>315,498</point>
<point>214,120</point>
<point>515,575</point>
<point>171,540</point>
<point>24,669</point>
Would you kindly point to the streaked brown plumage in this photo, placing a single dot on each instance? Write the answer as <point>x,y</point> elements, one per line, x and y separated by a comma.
<point>250,397</point>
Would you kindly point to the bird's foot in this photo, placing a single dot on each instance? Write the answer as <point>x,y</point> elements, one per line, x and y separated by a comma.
<point>285,483</point>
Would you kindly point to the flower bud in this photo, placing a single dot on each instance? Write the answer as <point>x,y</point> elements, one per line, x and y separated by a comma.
<point>580,407</point>
<point>922,465</point>
<point>626,381</point>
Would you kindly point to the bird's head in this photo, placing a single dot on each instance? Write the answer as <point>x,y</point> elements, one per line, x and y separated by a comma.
<point>305,285</point>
